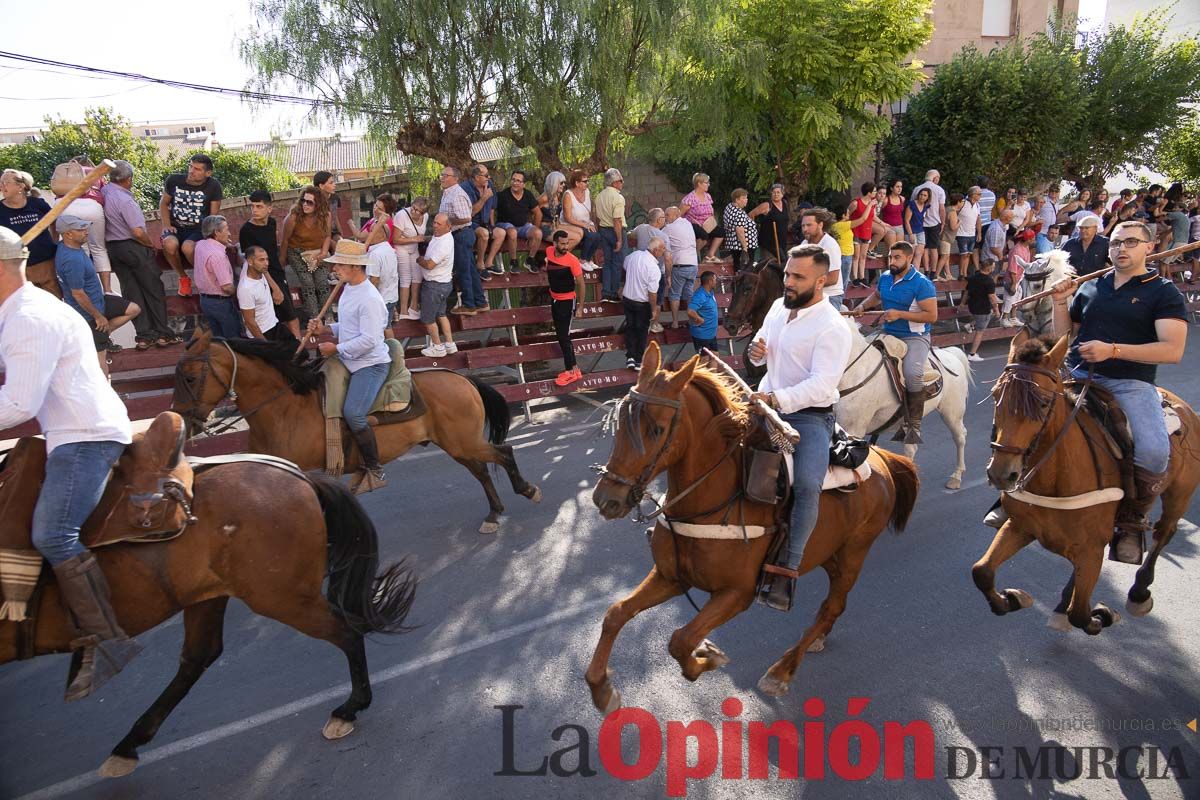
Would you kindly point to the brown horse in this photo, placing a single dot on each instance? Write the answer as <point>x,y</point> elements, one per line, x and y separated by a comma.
<point>753,292</point>
<point>282,407</point>
<point>1042,447</point>
<point>267,537</point>
<point>691,424</point>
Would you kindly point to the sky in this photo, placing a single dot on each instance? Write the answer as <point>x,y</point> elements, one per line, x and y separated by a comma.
<point>197,44</point>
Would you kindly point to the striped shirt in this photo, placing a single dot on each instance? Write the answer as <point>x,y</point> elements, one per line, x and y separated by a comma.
<point>122,214</point>
<point>456,205</point>
<point>52,373</point>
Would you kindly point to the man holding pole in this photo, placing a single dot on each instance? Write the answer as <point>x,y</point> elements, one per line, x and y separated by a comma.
<point>1125,323</point>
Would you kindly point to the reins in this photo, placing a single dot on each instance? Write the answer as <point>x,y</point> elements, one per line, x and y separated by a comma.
<point>205,361</point>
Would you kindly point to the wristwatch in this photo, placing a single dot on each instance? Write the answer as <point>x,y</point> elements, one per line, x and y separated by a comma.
<point>774,401</point>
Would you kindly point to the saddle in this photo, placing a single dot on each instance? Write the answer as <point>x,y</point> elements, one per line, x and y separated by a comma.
<point>1114,425</point>
<point>893,349</point>
<point>398,401</point>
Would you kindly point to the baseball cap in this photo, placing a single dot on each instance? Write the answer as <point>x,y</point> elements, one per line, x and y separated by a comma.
<point>10,245</point>
<point>70,222</point>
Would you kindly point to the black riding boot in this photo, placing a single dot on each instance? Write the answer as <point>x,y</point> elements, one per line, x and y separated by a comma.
<point>909,431</point>
<point>1133,517</point>
<point>106,648</point>
<point>373,475</point>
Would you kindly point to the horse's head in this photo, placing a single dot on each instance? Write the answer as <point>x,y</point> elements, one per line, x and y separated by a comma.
<point>644,443</point>
<point>1028,407</point>
<point>196,392</point>
<point>753,292</point>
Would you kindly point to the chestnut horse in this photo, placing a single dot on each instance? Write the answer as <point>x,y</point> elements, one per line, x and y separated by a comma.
<point>281,405</point>
<point>753,292</point>
<point>1042,446</point>
<point>691,424</point>
<point>267,537</point>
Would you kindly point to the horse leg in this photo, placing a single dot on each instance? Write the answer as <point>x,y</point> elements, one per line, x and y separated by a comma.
<point>491,523</point>
<point>843,570</point>
<point>1080,612</point>
<point>1005,544</point>
<point>202,644</point>
<point>506,459</point>
<point>958,432</point>
<point>1139,601</point>
<point>695,654</point>
<point>652,591</point>
<point>1058,620</point>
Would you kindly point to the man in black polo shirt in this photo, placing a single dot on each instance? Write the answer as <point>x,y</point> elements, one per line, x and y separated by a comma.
<point>1089,252</point>
<point>1125,324</point>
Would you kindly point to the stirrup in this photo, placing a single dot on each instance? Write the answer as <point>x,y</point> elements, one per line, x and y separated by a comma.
<point>1121,548</point>
<point>779,592</point>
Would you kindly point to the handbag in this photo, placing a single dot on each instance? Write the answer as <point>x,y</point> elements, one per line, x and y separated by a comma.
<point>311,259</point>
<point>709,225</point>
<point>846,450</point>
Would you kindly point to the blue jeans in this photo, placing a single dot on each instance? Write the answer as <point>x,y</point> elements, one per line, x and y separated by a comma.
<point>611,279</point>
<point>364,387</point>
<point>1143,408</point>
<point>588,245</point>
<point>222,316</point>
<point>465,274</point>
<point>810,462</point>
<point>76,475</point>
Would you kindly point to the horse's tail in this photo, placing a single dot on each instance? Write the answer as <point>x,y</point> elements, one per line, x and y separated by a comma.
<point>908,486</point>
<point>495,410</point>
<point>369,603</point>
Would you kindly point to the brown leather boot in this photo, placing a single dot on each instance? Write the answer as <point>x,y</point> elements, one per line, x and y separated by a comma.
<point>1133,517</point>
<point>909,431</point>
<point>106,648</point>
<point>373,475</point>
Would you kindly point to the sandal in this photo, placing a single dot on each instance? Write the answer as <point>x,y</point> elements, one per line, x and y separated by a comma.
<point>166,341</point>
<point>143,344</point>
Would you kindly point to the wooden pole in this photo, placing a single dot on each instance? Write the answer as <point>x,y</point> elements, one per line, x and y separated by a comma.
<point>772,416</point>
<point>321,316</point>
<point>78,191</point>
<point>1091,276</point>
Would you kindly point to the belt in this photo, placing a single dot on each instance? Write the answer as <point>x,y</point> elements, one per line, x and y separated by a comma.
<point>816,410</point>
<point>217,296</point>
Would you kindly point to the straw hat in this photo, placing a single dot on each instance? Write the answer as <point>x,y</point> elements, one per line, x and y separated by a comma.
<point>349,252</point>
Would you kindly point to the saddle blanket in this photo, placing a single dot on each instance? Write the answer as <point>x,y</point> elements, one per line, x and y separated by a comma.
<point>394,395</point>
<point>836,477</point>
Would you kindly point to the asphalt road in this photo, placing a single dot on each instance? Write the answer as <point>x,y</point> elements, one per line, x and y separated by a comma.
<point>511,619</point>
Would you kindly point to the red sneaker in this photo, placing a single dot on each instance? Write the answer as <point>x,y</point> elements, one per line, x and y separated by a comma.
<point>185,286</point>
<point>567,377</point>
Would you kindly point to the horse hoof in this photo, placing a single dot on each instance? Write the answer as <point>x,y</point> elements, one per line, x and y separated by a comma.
<point>1018,597</point>
<point>117,767</point>
<point>954,483</point>
<point>1106,615</point>
<point>715,656</point>
<point>1140,609</point>
<point>614,702</point>
<point>772,686</point>
<point>337,728</point>
<point>817,646</point>
<point>1059,622</point>
<point>489,527</point>
<point>536,497</point>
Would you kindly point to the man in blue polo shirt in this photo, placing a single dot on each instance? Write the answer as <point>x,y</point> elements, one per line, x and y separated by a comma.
<point>909,306</point>
<point>1125,324</point>
<point>702,313</point>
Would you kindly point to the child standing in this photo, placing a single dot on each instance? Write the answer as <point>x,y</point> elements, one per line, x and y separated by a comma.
<point>981,300</point>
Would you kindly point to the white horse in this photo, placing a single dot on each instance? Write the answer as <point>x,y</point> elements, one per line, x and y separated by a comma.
<point>868,399</point>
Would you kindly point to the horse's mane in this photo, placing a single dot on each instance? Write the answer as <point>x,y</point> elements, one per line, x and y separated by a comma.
<point>1034,350</point>
<point>721,392</point>
<point>302,378</point>
<point>1019,394</point>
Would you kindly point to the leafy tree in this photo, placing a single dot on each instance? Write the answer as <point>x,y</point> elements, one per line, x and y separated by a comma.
<point>1178,157</point>
<point>1046,109</point>
<point>239,171</point>
<point>1001,114</point>
<point>102,134</point>
<point>571,79</point>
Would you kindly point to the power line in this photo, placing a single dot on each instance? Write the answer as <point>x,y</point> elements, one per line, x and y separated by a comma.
<point>245,94</point>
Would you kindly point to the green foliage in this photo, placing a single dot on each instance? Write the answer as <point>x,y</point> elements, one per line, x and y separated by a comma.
<point>239,171</point>
<point>102,134</point>
<point>725,169</point>
<point>998,114</point>
<point>1045,109</point>
<point>795,85</point>
<point>1178,157</point>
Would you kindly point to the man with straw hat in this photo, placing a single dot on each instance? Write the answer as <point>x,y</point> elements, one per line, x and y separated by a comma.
<point>362,318</point>
<point>52,374</point>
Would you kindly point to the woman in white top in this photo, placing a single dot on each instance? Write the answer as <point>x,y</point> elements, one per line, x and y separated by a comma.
<point>577,218</point>
<point>410,232</point>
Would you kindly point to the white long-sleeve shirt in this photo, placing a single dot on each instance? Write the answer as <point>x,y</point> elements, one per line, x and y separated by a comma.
<point>806,356</point>
<point>362,316</point>
<point>52,373</point>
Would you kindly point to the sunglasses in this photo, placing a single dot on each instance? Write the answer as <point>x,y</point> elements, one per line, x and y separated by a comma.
<point>307,202</point>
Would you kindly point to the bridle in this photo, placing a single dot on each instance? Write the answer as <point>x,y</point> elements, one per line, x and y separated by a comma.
<point>1025,372</point>
<point>743,277</point>
<point>193,388</point>
<point>630,407</point>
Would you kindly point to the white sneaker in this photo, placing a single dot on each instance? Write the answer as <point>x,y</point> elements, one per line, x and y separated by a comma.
<point>412,313</point>
<point>450,347</point>
<point>974,357</point>
<point>588,266</point>
<point>434,351</point>
<point>656,327</point>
